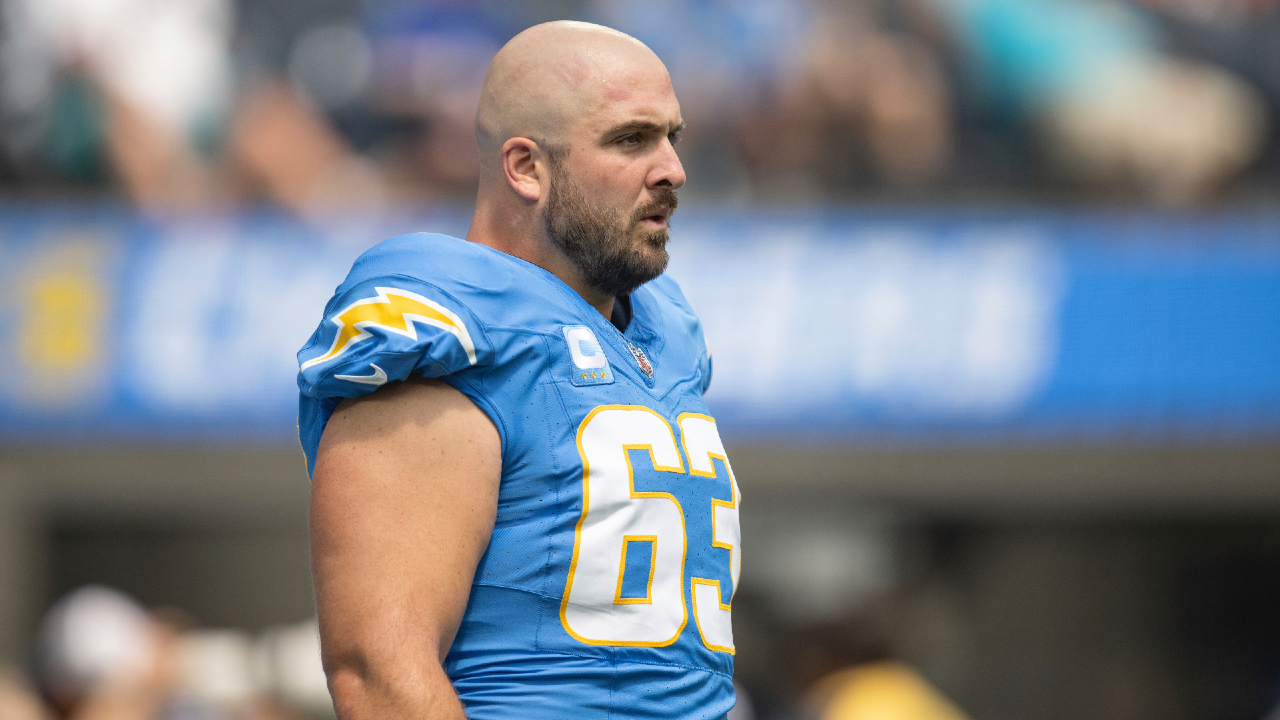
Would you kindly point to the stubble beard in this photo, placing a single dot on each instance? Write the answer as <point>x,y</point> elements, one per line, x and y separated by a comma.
<point>611,258</point>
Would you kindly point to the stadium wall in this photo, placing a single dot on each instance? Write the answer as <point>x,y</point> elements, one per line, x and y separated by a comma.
<point>826,326</point>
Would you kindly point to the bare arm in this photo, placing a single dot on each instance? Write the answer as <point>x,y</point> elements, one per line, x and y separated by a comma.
<point>403,500</point>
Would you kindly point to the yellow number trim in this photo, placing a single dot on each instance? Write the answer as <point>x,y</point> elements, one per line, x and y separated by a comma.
<point>631,479</point>
<point>622,570</point>
<point>715,502</point>
<point>713,456</point>
<point>685,447</point>
<point>695,582</point>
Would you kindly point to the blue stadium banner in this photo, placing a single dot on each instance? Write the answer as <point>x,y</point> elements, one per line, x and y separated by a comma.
<point>831,325</point>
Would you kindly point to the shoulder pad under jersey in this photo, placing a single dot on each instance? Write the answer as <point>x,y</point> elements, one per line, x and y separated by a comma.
<point>399,313</point>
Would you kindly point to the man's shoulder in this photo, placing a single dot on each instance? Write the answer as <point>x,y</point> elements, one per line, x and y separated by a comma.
<point>492,287</point>
<point>668,291</point>
<point>424,304</point>
<point>440,260</point>
<point>680,325</point>
<point>672,305</point>
<point>412,305</point>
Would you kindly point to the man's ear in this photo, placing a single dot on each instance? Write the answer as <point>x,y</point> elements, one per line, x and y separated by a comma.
<point>524,166</point>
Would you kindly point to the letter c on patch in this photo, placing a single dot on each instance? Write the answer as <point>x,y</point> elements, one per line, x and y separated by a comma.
<point>585,349</point>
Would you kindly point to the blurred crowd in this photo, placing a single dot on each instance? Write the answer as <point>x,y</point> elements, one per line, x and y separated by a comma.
<point>319,105</point>
<point>100,655</point>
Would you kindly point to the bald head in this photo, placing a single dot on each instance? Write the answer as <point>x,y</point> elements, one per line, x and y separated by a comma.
<point>576,127</point>
<point>551,76</point>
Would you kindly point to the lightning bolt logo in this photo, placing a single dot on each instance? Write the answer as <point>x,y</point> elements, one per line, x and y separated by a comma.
<point>393,310</point>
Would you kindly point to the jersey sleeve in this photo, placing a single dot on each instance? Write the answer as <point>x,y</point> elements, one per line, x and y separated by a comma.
<point>388,328</point>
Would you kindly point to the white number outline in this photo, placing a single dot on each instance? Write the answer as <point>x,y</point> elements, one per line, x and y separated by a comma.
<point>631,479</point>
<point>681,453</point>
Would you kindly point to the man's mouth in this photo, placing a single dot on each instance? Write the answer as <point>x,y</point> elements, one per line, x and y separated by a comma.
<point>656,218</point>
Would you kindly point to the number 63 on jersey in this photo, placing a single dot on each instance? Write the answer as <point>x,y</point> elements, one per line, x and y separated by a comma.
<point>617,519</point>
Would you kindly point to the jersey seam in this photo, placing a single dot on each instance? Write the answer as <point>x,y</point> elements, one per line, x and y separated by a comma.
<point>658,339</point>
<point>678,383</point>
<point>613,685</point>
<point>495,415</point>
<point>547,569</point>
<point>657,664</point>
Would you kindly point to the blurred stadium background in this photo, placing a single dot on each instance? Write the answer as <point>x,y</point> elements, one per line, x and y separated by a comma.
<point>992,287</point>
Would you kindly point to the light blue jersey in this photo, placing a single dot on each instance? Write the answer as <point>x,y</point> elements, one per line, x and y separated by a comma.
<point>605,589</point>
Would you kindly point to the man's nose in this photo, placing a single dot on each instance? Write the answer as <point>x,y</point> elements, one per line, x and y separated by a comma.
<point>668,172</point>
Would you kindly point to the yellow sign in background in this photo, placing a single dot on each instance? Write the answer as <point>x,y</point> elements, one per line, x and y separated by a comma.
<point>63,302</point>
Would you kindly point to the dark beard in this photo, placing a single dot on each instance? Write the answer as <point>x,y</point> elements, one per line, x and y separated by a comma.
<point>599,244</point>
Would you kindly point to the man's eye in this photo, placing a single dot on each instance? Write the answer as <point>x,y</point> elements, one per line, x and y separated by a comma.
<point>632,139</point>
<point>673,138</point>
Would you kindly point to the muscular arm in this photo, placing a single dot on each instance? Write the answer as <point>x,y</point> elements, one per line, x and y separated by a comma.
<point>403,500</point>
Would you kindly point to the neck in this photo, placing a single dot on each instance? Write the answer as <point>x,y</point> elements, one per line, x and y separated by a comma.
<point>521,235</point>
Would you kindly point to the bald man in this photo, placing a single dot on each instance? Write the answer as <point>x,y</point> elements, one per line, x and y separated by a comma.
<point>521,507</point>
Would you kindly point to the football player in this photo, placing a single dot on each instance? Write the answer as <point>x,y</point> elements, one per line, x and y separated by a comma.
<point>520,506</point>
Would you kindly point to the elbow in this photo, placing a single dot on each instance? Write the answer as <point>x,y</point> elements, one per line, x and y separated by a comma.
<point>362,690</point>
<point>349,688</point>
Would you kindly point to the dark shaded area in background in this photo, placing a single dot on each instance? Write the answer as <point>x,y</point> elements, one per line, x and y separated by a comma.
<point>239,575</point>
<point>1057,619</point>
<point>1231,586</point>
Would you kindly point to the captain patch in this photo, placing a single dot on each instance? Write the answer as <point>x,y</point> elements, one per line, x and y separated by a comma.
<point>590,366</point>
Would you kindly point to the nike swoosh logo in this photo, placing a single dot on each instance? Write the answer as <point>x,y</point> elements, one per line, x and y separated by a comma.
<point>379,377</point>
